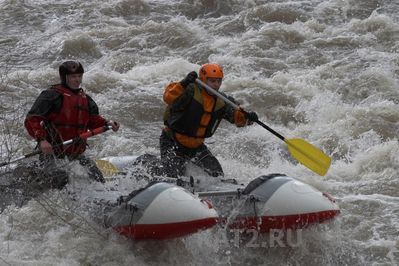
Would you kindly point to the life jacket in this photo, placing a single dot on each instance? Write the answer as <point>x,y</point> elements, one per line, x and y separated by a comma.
<point>71,120</point>
<point>199,119</point>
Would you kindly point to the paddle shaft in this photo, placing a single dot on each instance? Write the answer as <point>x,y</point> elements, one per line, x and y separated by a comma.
<point>20,158</point>
<point>304,152</point>
<point>235,106</point>
<point>85,135</point>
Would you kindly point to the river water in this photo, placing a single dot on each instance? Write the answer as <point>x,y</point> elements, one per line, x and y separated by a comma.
<point>324,71</point>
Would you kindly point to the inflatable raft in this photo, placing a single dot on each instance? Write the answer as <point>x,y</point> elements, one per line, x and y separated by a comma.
<point>165,210</point>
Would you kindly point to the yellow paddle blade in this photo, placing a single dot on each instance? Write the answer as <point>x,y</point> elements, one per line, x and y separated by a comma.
<point>309,155</point>
<point>107,168</point>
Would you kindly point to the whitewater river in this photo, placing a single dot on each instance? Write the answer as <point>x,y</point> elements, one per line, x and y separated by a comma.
<point>323,71</point>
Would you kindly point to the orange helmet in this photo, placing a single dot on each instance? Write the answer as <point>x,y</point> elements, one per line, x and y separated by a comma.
<point>210,71</point>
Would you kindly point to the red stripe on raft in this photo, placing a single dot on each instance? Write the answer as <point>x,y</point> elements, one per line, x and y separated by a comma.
<point>164,231</point>
<point>265,223</point>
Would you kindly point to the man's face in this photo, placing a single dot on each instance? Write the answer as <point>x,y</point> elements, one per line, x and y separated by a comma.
<point>214,83</point>
<point>74,80</point>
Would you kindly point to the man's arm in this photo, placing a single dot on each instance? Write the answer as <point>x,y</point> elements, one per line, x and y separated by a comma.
<point>95,119</point>
<point>47,102</point>
<point>180,93</point>
<point>234,116</point>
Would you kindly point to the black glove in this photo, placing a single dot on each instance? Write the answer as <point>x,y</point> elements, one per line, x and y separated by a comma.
<point>190,78</point>
<point>251,116</point>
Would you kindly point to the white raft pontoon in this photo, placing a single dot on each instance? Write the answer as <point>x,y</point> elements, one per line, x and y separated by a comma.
<point>160,210</point>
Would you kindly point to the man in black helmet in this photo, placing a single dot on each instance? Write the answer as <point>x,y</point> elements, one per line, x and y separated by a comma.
<point>61,113</point>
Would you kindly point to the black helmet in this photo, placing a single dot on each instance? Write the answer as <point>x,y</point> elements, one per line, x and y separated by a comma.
<point>70,67</point>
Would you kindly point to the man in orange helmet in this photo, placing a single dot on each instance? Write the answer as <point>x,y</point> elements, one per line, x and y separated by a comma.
<point>192,115</point>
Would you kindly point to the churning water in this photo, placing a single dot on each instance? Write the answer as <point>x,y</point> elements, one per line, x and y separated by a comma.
<point>324,71</point>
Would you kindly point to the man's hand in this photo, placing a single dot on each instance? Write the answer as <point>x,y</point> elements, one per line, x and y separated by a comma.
<point>190,78</point>
<point>45,147</point>
<point>115,125</point>
<point>251,116</point>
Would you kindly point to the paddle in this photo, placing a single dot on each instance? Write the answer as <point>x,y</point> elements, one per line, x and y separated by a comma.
<point>85,135</point>
<point>107,168</point>
<point>302,151</point>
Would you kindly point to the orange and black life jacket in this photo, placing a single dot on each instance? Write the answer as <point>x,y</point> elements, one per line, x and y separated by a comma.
<point>200,118</point>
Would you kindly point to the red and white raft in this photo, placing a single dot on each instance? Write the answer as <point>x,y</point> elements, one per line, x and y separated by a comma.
<point>271,202</point>
<point>274,201</point>
<point>159,211</point>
